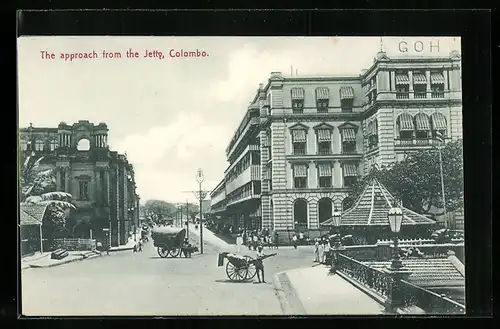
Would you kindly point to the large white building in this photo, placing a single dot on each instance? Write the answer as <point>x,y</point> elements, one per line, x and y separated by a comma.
<point>305,140</point>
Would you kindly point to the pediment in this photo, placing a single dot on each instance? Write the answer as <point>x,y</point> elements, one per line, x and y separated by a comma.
<point>299,126</point>
<point>323,125</point>
<point>382,57</point>
<point>348,125</point>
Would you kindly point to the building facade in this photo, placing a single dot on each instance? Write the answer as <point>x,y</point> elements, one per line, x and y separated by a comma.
<point>311,138</point>
<point>101,181</point>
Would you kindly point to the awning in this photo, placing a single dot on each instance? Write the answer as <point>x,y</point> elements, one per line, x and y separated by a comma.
<point>346,93</point>
<point>322,93</point>
<point>437,78</point>
<point>298,136</point>
<point>297,93</point>
<point>300,171</point>
<point>422,122</point>
<point>348,135</point>
<point>438,121</point>
<point>350,170</point>
<point>419,78</point>
<point>402,79</point>
<point>325,170</point>
<point>405,122</point>
<point>324,135</point>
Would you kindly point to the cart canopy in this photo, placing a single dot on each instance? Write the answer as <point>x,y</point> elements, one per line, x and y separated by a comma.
<point>168,236</point>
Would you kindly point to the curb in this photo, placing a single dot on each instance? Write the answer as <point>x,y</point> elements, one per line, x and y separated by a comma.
<point>121,249</point>
<point>289,301</point>
<point>79,258</point>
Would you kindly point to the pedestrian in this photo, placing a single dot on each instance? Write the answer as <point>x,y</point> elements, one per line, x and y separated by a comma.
<point>316,251</point>
<point>255,241</point>
<point>249,242</point>
<point>326,250</point>
<point>321,251</point>
<point>276,240</point>
<point>301,238</point>
<point>294,241</point>
<point>259,265</point>
<point>239,242</point>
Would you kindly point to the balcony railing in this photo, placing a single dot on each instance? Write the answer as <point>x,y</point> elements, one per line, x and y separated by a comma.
<point>420,95</point>
<point>324,152</point>
<point>416,142</point>
<point>299,152</point>
<point>381,283</point>
<point>349,151</point>
<point>403,95</point>
<point>437,94</point>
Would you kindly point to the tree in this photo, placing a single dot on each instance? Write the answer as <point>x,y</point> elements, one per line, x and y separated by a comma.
<point>416,180</point>
<point>158,211</point>
<point>39,187</point>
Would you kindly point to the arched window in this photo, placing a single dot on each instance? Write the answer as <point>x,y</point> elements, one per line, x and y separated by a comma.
<point>438,124</point>
<point>422,125</point>
<point>39,145</point>
<point>23,144</point>
<point>54,144</point>
<point>300,214</point>
<point>404,125</point>
<point>83,145</point>
<point>324,209</point>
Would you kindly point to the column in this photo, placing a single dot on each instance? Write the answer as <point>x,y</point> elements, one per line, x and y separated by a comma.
<point>105,140</point>
<point>410,77</point>
<point>312,175</point>
<point>428,79</point>
<point>393,81</point>
<point>98,187</point>
<point>107,189</point>
<point>58,179</point>
<point>445,75</point>
<point>67,187</point>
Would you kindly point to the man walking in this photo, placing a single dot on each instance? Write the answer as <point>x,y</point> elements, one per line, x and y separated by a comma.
<point>259,264</point>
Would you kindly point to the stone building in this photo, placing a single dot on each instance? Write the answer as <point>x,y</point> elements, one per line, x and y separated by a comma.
<point>311,137</point>
<point>101,181</point>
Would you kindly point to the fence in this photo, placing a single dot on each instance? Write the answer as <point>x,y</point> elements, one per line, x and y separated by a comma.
<point>383,286</point>
<point>74,244</point>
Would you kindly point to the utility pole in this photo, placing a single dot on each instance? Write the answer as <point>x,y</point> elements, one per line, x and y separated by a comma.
<point>187,218</point>
<point>201,196</point>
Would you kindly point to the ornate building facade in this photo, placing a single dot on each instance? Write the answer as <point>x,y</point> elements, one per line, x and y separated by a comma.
<point>101,181</point>
<point>315,136</point>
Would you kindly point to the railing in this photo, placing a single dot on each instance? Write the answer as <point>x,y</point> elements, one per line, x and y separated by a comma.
<point>428,301</point>
<point>416,142</point>
<point>324,152</point>
<point>420,95</point>
<point>404,242</point>
<point>375,280</point>
<point>299,152</point>
<point>383,284</point>
<point>403,95</point>
<point>347,110</point>
<point>437,94</point>
<point>74,244</point>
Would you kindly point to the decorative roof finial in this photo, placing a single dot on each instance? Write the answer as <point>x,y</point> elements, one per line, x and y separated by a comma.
<point>381,45</point>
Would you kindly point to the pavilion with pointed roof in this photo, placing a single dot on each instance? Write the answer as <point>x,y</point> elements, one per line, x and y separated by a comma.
<point>368,216</point>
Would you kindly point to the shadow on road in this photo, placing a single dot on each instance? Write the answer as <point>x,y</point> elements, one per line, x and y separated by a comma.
<point>229,281</point>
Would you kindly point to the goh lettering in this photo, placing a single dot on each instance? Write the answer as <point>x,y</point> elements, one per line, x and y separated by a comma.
<point>419,46</point>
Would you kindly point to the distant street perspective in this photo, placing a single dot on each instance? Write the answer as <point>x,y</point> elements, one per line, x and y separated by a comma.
<point>327,194</point>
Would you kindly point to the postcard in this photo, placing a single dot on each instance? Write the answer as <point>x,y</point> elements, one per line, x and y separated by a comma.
<point>189,176</point>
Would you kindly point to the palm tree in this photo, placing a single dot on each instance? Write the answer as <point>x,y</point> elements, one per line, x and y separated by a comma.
<point>38,187</point>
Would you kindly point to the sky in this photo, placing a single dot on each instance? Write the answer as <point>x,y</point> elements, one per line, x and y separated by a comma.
<point>174,115</point>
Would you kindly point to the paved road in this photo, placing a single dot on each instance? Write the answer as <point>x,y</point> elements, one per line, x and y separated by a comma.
<point>125,283</point>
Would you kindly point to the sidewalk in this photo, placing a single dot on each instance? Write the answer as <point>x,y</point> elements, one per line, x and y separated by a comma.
<point>130,243</point>
<point>43,260</point>
<point>312,291</point>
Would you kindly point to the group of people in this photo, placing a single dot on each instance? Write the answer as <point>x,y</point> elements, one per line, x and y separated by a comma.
<point>255,239</point>
<point>321,249</point>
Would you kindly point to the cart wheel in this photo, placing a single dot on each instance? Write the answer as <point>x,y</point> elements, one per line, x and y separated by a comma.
<point>175,252</point>
<point>251,269</point>
<point>234,273</point>
<point>163,252</point>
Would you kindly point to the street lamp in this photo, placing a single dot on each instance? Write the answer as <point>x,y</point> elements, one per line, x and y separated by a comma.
<point>395,217</point>
<point>337,246</point>
<point>199,178</point>
<point>396,270</point>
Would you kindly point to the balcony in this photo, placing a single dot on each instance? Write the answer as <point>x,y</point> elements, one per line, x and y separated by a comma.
<point>299,152</point>
<point>402,95</point>
<point>437,94</point>
<point>416,142</point>
<point>325,152</point>
<point>420,95</point>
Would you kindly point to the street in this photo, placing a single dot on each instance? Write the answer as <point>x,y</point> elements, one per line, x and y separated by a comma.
<point>127,283</point>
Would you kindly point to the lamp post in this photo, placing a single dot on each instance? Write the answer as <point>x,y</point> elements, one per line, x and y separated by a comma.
<point>201,196</point>
<point>396,270</point>
<point>337,245</point>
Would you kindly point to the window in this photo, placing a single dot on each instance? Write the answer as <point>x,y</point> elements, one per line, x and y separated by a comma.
<point>437,85</point>
<point>83,194</point>
<point>405,126</point>
<point>39,144</point>
<point>53,144</point>
<point>324,141</point>
<point>347,105</point>
<point>325,175</point>
<point>322,99</point>
<point>350,174</point>
<point>299,141</point>
<point>402,91</point>
<point>422,125</point>
<point>419,85</point>
<point>297,100</point>
<point>438,124</point>
<point>23,145</point>
<point>420,91</point>
<point>348,140</point>
<point>300,176</point>
<point>298,106</point>
<point>255,158</point>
